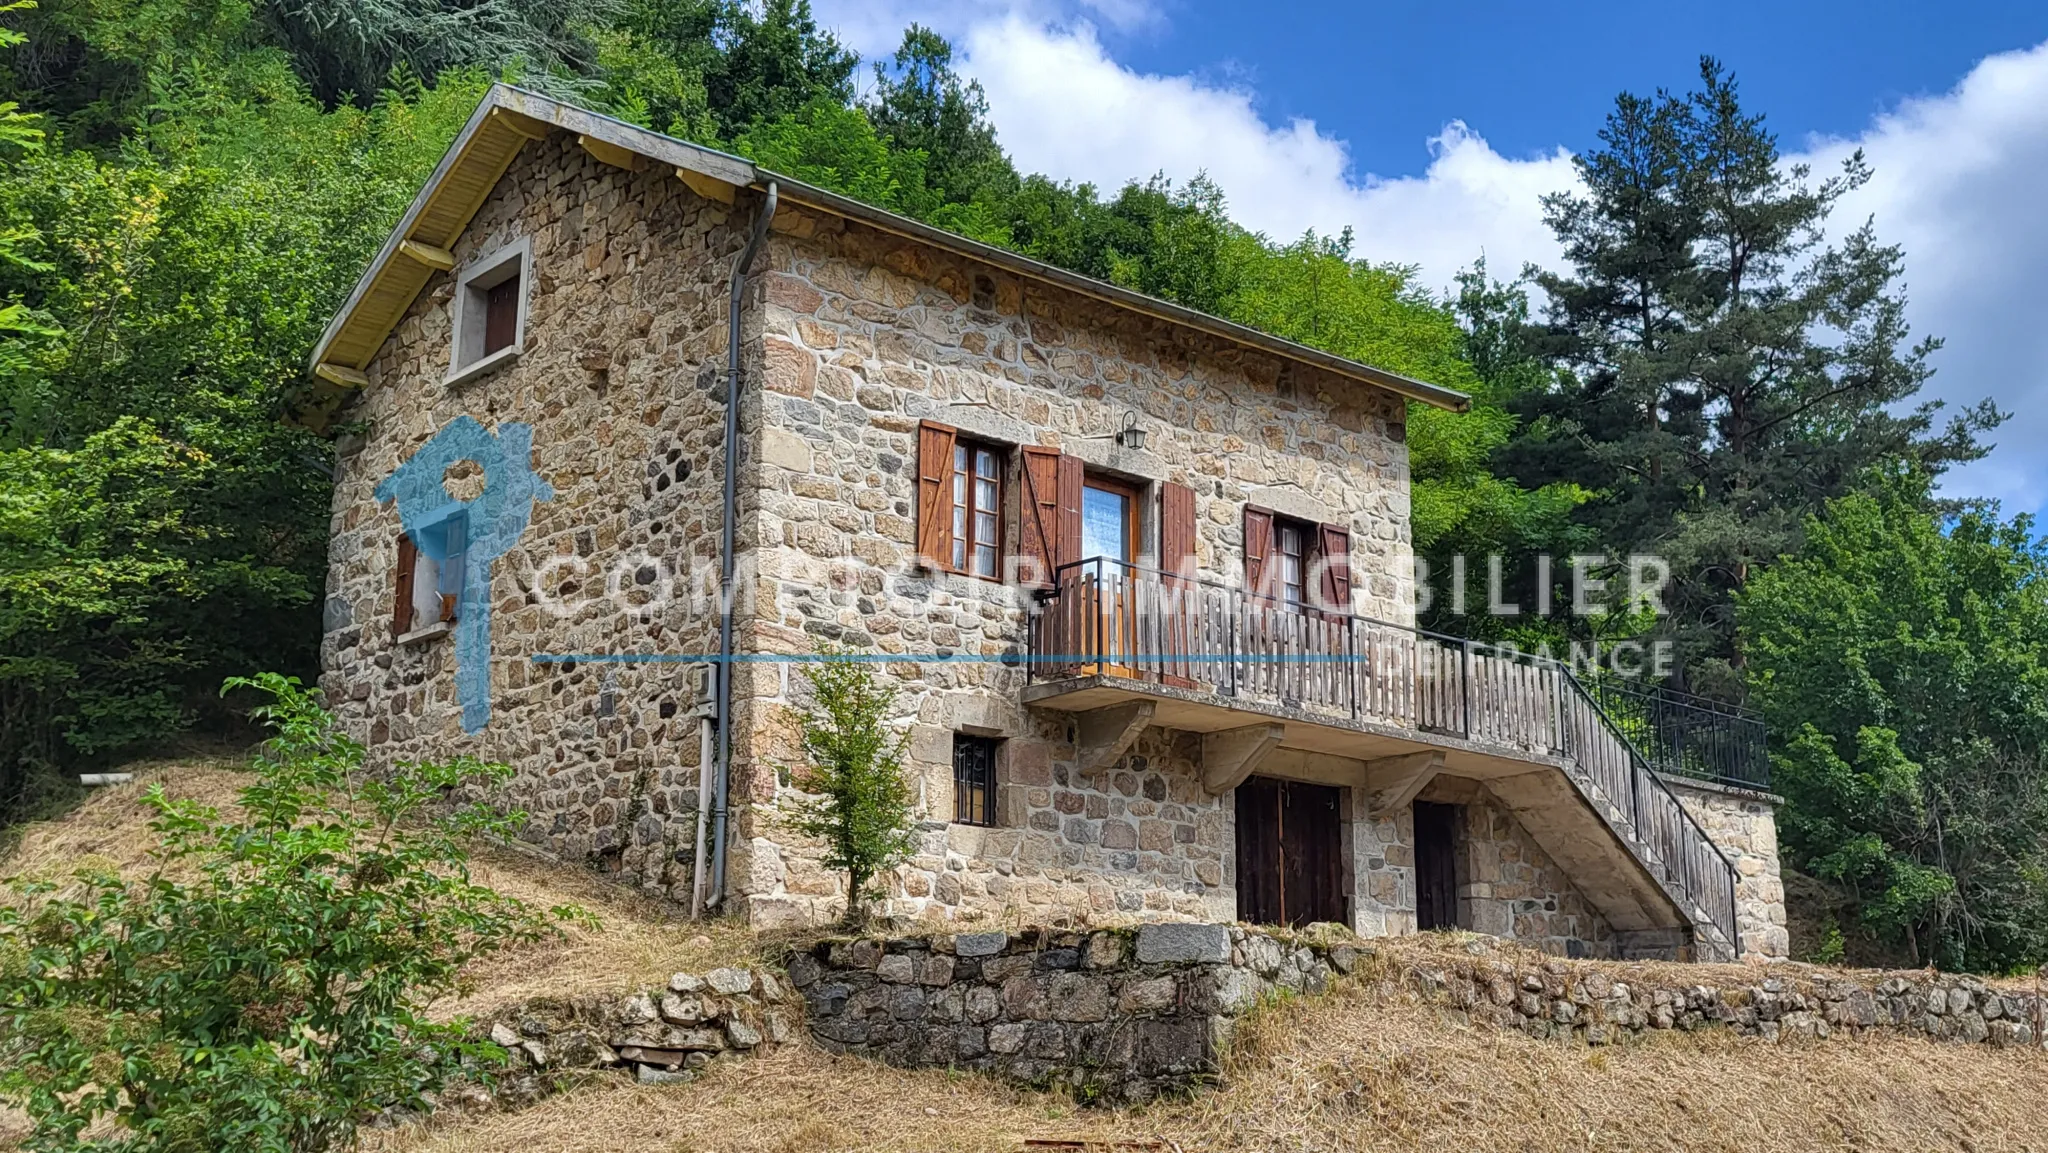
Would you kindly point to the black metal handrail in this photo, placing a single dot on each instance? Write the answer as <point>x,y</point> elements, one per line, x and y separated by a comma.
<point>1112,616</point>
<point>1687,735</point>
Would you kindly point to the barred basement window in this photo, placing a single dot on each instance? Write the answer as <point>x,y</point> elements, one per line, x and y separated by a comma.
<point>974,780</point>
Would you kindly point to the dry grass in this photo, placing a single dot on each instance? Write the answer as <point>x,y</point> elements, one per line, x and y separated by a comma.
<point>637,942</point>
<point>1366,1068</point>
<point>1369,1067</point>
<point>110,828</point>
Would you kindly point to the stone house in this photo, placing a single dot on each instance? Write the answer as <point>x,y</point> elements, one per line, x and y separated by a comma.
<point>1142,576</point>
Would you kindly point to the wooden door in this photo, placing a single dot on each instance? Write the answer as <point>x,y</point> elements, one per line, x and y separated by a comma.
<point>1290,846</point>
<point>1436,865</point>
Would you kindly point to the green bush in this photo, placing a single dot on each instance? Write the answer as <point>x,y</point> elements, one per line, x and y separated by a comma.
<point>266,987</point>
<point>862,804</point>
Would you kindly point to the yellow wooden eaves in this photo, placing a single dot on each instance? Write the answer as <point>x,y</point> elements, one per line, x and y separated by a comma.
<point>429,241</point>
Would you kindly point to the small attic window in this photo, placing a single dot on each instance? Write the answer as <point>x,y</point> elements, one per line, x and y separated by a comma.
<point>490,312</point>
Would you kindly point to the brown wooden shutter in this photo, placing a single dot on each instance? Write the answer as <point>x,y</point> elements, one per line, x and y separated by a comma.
<point>501,316</point>
<point>1038,543</point>
<point>1176,529</point>
<point>1070,511</point>
<point>1177,557</point>
<point>1258,545</point>
<point>935,493</point>
<point>1336,557</point>
<point>401,612</point>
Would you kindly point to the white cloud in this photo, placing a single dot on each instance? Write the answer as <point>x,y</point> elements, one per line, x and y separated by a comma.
<point>875,27</point>
<point>1062,106</point>
<point>1959,180</point>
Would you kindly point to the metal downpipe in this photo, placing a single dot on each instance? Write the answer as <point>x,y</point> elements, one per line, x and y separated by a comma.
<point>728,537</point>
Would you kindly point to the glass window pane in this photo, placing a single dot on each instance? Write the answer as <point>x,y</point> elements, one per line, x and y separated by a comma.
<point>1105,524</point>
<point>985,560</point>
<point>984,463</point>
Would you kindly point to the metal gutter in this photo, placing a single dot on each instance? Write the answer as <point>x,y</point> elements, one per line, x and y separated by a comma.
<point>728,533</point>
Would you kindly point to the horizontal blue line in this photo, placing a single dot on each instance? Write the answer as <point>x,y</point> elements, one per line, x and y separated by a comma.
<point>890,658</point>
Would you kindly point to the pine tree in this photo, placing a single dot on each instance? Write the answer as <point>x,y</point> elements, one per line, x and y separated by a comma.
<point>921,103</point>
<point>1731,368</point>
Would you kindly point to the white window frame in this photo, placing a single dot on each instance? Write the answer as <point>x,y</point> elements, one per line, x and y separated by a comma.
<point>466,360</point>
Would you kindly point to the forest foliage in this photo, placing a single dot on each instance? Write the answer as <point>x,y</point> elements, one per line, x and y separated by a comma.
<point>1717,372</point>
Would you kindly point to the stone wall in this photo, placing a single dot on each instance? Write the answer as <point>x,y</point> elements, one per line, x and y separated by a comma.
<point>863,335</point>
<point>658,1036</point>
<point>1122,1016</point>
<point>1601,1005</point>
<point>1744,824</point>
<point>1140,839</point>
<point>1114,1015</point>
<point>621,379</point>
<point>1507,886</point>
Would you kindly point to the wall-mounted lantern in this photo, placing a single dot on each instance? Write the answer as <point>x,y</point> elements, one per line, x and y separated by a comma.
<point>1130,435</point>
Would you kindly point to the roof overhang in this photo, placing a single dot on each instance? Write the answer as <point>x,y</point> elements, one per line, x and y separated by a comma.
<point>508,117</point>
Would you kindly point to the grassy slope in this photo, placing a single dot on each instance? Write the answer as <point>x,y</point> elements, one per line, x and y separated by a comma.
<point>1352,1071</point>
<point>1370,1067</point>
<point>638,941</point>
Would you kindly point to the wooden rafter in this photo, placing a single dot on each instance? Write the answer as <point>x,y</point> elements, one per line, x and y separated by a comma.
<point>605,152</point>
<point>708,187</point>
<point>430,255</point>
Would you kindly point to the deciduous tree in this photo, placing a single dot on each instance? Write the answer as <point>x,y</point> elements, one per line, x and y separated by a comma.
<point>1901,660</point>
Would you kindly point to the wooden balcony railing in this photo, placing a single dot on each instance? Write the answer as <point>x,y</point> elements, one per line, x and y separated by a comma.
<point>1117,619</point>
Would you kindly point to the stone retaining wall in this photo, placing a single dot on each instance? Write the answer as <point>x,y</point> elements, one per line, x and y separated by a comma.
<point>659,1036</point>
<point>1122,1015</point>
<point>1599,1006</point>
<point>1117,1015</point>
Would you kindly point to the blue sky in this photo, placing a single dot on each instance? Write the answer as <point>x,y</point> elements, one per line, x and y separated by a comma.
<point>1434,130</point>
<point>1385,77</point>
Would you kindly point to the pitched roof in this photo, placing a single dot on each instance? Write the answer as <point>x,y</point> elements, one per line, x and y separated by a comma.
<point>508,117</point>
